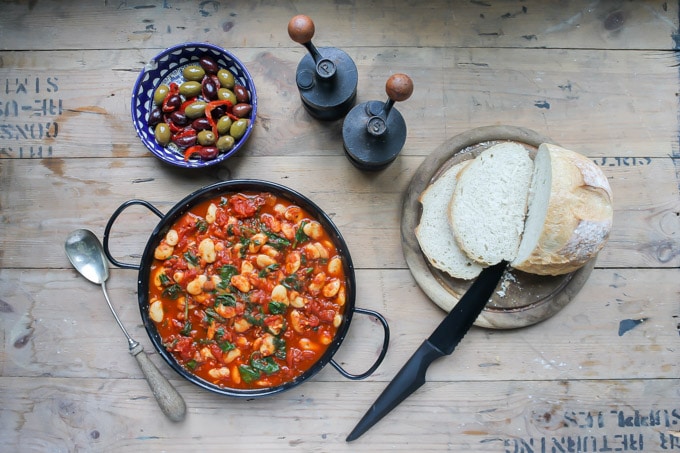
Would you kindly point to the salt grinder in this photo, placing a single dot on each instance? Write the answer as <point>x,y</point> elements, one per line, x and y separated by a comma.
<point>326,77</point>
<point>374,133</point>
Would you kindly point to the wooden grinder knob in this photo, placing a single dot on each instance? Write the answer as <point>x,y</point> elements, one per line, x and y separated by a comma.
<point>301,29</point>
<point>399,87</point>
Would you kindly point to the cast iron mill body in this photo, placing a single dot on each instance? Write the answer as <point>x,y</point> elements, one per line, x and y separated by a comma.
<point>326,77</point>
<point>374,132</point>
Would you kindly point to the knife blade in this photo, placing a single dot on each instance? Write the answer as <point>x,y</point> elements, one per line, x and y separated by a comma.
<point>440,343</point>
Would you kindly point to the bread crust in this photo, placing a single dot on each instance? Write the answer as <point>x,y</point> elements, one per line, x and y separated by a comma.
<point>578,219</point>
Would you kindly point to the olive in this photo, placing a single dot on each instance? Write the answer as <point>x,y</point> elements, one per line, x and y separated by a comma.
<point>193,72</point>
<point>225,143</point>
<point>155,117</point>
<point>210,88</point>
<point>160,94</point>
<point>162,133</point>
<point>208,64</point>
<point>190,89</point>
<point>179,118</point>
<point>208,152</point>
<point>173,102</point>
<point>185,141</point>
<point>242,110</point>
<point>225,94</point>
<point>223,125</point>
<point>206,138</point>
<point>241,93</point>
<point>226,78</point>
<point>195,109</point>
<point>238,129</point>
<point>201,124</point>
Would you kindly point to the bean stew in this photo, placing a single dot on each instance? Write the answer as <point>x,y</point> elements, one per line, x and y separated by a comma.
<point>247,290</point>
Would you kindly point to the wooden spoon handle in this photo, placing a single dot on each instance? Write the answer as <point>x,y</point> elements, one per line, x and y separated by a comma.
<point>170,401</point>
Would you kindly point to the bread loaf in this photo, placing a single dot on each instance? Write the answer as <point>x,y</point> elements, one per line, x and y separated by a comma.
<point>546,216</point>
<point>434,234</point>
<point>569,214</point>
<point>489,203</point>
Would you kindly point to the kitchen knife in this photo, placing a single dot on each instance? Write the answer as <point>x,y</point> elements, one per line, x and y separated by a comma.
<point>442,342</point>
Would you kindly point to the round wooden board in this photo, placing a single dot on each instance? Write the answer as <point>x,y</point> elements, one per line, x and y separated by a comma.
<point>521,299</point>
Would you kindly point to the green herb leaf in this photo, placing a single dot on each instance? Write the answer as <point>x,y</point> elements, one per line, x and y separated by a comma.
<point>164,279</point>
<point>191,258</point>
<point>291,282</point>
<point>226,346</point>
<point>277,308</point>
<point>300,235</point>
<point>191,364</point>
<point>271,268</point>
<point>278,242</point>
<point>225,299</point>
<point>216,316</point>
<point>201,225</point>
<point>186,330</point>
<point>266,365</point>
<point>172,292</point>
<point>248,373</point>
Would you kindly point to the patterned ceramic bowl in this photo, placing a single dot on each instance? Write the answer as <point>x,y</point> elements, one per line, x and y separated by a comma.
<point>167,68</point>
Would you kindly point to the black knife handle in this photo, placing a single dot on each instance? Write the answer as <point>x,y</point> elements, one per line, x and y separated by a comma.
<point>408,380</point>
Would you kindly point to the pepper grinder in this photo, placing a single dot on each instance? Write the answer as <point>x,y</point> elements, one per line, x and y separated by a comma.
<point>374,132</point>
<point>326,77</point>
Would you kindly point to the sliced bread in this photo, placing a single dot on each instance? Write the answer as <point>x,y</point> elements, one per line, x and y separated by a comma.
<point>489,203</point>
<point>569,213</point>
<point>435,237</point>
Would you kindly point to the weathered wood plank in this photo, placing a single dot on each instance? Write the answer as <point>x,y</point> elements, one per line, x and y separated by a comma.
<point>441,23</point>
<point>57,324</point>
<point>366,208</point>
<point>51,107</point>
<point>64,415</point>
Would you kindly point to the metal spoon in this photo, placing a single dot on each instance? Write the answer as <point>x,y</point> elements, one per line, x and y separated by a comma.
<point>87,255</point>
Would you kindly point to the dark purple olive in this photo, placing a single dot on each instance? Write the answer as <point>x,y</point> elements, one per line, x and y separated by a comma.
<point>172,103</point>
<point>242,110</point>
<point>218,112</point>
<point>179,118</point>
<point>185,141</point>
<point>210,87</point>
<point>241,93</point>
<point>208,65</point>
<point>208,152</point>
<point>155,117</point>
<point>201,124</point>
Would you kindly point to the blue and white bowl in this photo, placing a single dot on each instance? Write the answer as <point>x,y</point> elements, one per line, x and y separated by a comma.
<point>167,67</point>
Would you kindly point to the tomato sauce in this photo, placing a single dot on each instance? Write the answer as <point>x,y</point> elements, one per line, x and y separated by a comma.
<point>247,290</point>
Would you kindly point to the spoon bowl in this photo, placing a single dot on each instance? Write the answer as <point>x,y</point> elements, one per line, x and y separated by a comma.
<point>86,254</point>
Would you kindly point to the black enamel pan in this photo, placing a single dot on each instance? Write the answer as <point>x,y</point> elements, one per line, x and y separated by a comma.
<point>210,192</point>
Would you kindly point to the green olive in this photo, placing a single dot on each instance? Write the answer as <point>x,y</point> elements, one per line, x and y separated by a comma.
<point>225,143</point>
<point>225,94</point>
<point>190,89</point>
<point>238,129</point>
<point>162,133</point>
<point>160,94</point>
<point>226,78</point>
<point>206,138</point>
<point>223,125</point>
<point>195,110</point>
<point>193,72</point>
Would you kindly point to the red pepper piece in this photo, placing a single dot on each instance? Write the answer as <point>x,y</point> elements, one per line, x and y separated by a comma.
<point>208,113</point>
<point>196,149</point>
<point>173,90</point>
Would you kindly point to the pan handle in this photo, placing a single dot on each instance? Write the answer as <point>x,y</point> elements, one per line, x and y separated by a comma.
<point>113,218</point>
<point>386,340</point>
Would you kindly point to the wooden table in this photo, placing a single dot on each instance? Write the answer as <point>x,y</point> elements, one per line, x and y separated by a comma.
<point>600,78</point>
